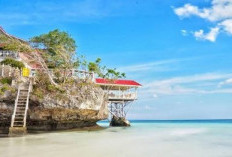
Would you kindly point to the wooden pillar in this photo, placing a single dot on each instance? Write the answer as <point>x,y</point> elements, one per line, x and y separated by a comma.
<point>3,70</point>
<point>10,72</point>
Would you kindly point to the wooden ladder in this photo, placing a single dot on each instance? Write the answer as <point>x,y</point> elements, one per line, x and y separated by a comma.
<point>21,106</point>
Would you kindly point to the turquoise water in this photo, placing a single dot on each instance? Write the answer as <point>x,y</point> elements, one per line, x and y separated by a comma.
<point>143,139</point>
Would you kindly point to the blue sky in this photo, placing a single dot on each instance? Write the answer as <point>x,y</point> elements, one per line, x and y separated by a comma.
<point>179,50</point>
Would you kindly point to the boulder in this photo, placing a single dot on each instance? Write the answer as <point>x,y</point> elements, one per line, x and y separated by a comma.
<point>119,121</point>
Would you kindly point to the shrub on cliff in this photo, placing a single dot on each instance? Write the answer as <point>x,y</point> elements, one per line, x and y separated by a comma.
<point>13,44</point>
<point>6,80</point>
<point>6,87</point>
<point>12,62</point>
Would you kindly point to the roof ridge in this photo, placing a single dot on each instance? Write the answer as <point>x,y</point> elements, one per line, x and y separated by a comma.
<point>117,81</point>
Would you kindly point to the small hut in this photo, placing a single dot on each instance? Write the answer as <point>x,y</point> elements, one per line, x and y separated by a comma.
<point>120,93</point>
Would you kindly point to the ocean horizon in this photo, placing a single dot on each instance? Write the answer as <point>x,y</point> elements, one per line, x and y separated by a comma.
<point>177,120</point>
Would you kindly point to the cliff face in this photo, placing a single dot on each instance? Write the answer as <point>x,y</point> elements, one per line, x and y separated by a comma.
<point>78,106</point>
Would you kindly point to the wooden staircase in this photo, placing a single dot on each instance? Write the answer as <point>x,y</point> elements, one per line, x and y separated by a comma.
<point>21,106</point>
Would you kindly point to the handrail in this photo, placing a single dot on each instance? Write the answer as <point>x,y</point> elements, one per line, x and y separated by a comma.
<point>122,96</point>
<point>15,107</point>
<point>27,103</point>
<point>74,73</point>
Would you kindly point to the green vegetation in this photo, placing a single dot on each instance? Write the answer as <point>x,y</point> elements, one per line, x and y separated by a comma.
<point>12,62</point>
<point>14,44</point>
<point>59,48</point>
<point>54,50</point>
<point>6,87</point>
<point>57,51</point>
<point>60,53</point>
<point>103,71</point>
<point>6,80</point>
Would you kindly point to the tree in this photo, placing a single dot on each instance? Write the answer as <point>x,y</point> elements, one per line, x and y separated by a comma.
<point>103,71</point>
<point>59,50</point>
<point>59,46</point>
<point>95,66</point>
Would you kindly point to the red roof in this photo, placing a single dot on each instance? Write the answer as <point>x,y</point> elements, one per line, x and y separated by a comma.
<point>117,82</point>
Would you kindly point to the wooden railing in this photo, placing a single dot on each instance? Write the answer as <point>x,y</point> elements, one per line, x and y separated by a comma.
<point>27,103</point>
<point>124,96</point>
<point>74,73</point>
<point>7,53</point>
<point>15,107</point>
<point>8,71</point>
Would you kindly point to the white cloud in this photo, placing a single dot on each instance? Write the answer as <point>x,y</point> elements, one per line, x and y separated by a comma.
<point>158,66</point>
<point>211,36</point>
<point>155,96</point>
<point>188,10</point>
<point>227,25</point>
<point>184,32</point>
<point>220,10</point>
<point>226,82</point>
<point>194,84</point>
<point>220,13</point>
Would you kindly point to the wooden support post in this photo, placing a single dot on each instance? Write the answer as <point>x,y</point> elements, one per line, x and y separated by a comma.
<point>10,72</point>
<point>3,70</point>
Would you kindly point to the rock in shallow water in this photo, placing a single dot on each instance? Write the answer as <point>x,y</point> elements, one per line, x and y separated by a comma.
<point>119,121</point>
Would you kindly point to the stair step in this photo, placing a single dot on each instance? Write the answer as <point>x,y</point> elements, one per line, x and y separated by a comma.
<point>20,111</point>
<point>22,96</point>
<point>18,121</point>
<point>24,90</point>
<point>21,102</point>
<point>19,116</point>
<point>21,106</point>
<point>22,115</point>
<point>18,126</point>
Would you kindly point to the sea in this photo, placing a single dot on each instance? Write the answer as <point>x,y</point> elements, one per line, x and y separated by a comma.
<point>145,138</point>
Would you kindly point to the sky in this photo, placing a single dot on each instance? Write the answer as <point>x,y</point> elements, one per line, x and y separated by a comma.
<point>180,51</point>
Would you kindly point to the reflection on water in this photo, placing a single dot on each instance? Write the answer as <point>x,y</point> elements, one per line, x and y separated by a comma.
<point>142,139</point>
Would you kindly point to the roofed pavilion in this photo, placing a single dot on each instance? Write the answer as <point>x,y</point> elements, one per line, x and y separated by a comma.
<point>120,94</point>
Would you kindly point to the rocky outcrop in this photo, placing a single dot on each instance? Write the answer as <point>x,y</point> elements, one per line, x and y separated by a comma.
<point>119,121</point>
<point>83,108</point>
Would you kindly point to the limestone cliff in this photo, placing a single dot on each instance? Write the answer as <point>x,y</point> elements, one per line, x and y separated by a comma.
<point>78,105</point>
